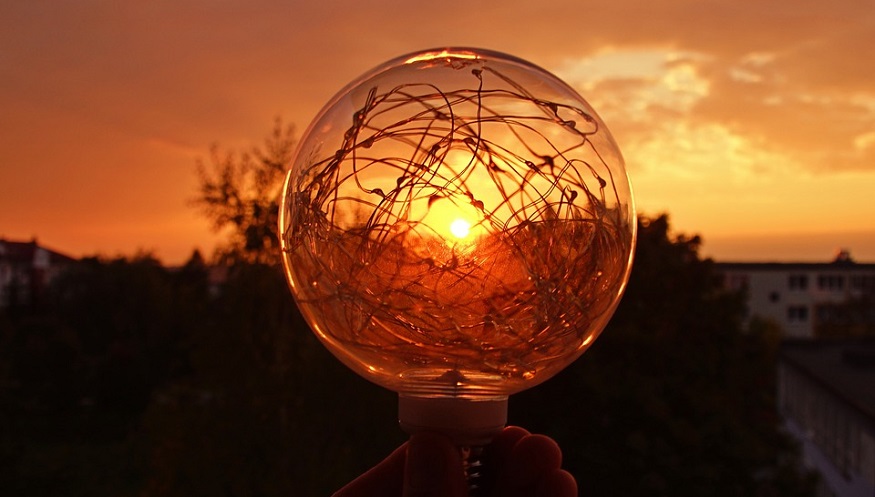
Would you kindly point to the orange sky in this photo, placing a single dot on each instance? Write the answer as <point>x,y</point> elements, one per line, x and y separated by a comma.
<point>750,123</point>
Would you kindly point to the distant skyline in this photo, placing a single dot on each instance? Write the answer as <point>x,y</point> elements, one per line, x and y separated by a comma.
<point>751,124</point>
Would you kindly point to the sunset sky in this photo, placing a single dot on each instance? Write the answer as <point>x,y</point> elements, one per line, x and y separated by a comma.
<point>750,123</point>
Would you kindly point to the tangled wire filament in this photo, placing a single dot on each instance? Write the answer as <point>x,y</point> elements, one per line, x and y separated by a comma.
<point>549,231</point>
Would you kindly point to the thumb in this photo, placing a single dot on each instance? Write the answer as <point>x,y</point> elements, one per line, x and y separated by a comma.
<point>434,467</point>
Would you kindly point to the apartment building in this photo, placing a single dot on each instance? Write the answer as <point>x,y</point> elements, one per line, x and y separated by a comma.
<point>808,300</point>
<point>826,395</point>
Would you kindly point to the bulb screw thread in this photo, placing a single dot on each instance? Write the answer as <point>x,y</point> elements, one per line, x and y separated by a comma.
<point>472,464</point>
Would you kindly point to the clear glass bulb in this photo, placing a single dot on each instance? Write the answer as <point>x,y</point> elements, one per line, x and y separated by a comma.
<point>457,226</point>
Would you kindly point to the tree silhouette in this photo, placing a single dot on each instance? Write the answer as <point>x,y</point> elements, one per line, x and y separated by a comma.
<point>267,410</point>
<point>76,376</point>
<point>240,195</point>
<point>141,380</point>
<point>677,397</point>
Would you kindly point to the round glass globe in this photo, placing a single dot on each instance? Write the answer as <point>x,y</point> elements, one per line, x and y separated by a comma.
<point>457,223</point>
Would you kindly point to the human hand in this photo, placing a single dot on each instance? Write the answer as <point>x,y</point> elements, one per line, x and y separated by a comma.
<point>517,464</point>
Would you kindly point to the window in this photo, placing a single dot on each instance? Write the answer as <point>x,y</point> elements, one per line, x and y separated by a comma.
<point>866,283</point>
<point>797,313</point>
<point>798,282</point>
<point>826,313</point>
<point>774,297</point>
<point>830,282</point>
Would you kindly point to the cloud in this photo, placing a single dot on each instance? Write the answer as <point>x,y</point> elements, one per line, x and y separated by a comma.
<point>751,88</point>
<point>815,124</point>
<point>761,97</point>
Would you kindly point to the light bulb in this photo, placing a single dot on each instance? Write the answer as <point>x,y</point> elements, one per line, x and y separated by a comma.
<point>457,226</point>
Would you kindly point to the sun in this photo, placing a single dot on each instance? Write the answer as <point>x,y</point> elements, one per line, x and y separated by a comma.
<point>460,228</point>
<point>456,223</point>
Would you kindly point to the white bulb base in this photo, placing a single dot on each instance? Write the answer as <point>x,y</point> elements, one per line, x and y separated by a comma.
<point>467,422</point>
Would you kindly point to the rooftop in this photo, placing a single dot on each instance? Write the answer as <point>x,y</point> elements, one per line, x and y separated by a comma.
<point>796,266</point>
<point>845,367</point>
<point>23,252</point>
<point>841,262</point>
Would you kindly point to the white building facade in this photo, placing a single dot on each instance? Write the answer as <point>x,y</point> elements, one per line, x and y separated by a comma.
<point>803,298</point>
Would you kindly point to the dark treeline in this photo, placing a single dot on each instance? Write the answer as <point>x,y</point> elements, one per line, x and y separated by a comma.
<point>132,379</point>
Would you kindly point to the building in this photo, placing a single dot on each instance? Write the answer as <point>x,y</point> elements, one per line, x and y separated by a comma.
<point>26,269</point>
<point>808,300</point>
<point>826,394</point>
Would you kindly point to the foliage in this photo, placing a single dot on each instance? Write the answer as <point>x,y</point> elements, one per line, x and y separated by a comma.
<point>136,379</point>
<point>77,374</point>
<point>240,194</point>
<point>677,397</point>
<point>266,411</point>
